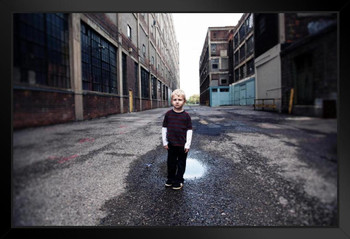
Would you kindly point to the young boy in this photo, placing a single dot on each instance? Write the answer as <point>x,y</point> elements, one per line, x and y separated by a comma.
<point>176,137</point>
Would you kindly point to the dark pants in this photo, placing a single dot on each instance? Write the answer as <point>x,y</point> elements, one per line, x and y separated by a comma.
<point>176,163</point>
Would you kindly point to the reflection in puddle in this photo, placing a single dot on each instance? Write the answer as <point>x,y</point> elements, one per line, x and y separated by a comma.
<point>194,169</point>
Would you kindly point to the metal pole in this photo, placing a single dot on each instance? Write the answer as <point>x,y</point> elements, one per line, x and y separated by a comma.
<point>291,101</point>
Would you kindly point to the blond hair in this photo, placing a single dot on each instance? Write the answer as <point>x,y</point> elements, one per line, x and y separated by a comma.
<point>179,92</point>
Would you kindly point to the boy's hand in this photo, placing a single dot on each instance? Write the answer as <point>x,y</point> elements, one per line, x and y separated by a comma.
<point>166,147</point>
<point>186,150</point>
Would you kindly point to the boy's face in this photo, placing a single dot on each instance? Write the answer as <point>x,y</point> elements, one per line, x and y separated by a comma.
<point>178,102</point>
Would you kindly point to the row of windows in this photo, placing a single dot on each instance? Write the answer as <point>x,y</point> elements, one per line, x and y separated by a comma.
<point>159,90</point>
<point>107,59</point>
<point>244,51</point>
<point>144,48</point>
<point>221,90</point>
<point>41,49</point>
<point>99,71</point>
<point>41,57</point>
<point>245,28</point>
<point>219,64</point>
<point>244,71</point>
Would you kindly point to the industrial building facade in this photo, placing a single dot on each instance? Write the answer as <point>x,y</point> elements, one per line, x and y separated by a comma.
<point>232,82</point>
<point>296,62</point>
<point>243,86</point>
<point>285,62</point>
<point>77,66</point>
<point>214,67</point>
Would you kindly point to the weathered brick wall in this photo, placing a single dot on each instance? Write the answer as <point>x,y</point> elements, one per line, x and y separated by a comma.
<point>323,52</point>
<point>95,105</point>
<point>219,48</point>
<point>108,22</point>
<point>165,103</point>
<point>156,104</point>
<point>296,25</point>
<point>146,104</point>
<point>131,74</point>
<point>35,108</point>
<point>137,104</point>
<point>126,104</point>
<point>219,35</point>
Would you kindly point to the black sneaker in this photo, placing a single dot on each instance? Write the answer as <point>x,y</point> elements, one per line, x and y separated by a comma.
<point>177,186</point>
<point>168,183</point>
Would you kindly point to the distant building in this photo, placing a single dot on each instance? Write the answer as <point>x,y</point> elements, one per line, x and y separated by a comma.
<point>242,86</point>
<point>297,52</point>
<point>234,82</point>
<point>214,67</point>
<point>77,66</point>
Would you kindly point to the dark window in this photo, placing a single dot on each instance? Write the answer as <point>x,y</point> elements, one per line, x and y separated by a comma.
<point>250,67</point>
<point>213,49</point>
<point>250,45</point>
<point>223,81</point>
<point>215,64</point>
<point>129,32</point>
<point>98,58</point>
<point>262,26</point>
<point>241,72</point>
<point>166,95</point>
<point>242,52</point>
<point>159,94</point>
<point>144,83</point>
<point>165,92</point>
<point>214,90</point>
<point>236,61</point>
<point>136,70</point>
<point>41,49</point>
<point>235,38</point>
<point>236,75</point>
<point>242,32</point>
<point>125,74</point>
<point>224,90</point>
<point>249,23</point>
<point>154,87</point>
<point>143,49</point>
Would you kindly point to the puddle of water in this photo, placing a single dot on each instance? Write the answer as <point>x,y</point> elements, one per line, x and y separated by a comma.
<point>194,169</point>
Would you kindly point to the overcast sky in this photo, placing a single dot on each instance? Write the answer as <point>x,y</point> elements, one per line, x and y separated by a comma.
<point>191,29</point>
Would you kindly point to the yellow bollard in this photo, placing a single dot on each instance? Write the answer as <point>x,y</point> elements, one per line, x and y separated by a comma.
<point>291,101</point>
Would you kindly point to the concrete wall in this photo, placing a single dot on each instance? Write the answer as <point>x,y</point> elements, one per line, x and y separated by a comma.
<point>268,75</point>
<point>126,19</point>
<point>143,42</point>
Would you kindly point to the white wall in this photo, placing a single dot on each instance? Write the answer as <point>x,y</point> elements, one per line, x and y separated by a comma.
<point>268,75</point>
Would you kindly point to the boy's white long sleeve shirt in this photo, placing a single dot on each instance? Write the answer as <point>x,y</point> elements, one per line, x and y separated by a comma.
<point>188,137</point>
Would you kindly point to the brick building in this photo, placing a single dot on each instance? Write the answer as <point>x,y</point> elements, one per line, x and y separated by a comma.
<point>79,66</point>
<point>214,66</point>
<point>297,52</point>
<point>233,81</point>
<point>242,86</point>
<point>310,65</point>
